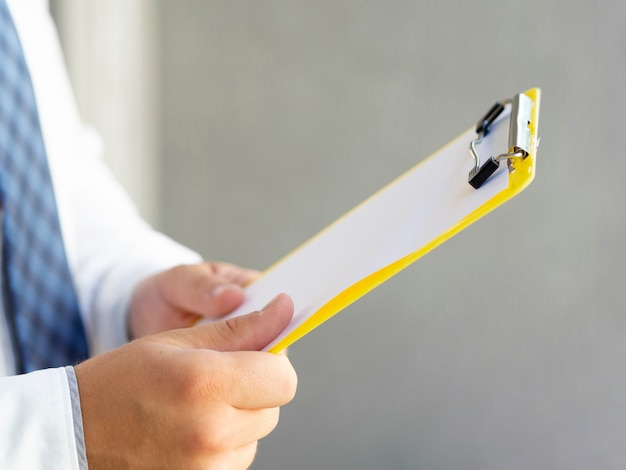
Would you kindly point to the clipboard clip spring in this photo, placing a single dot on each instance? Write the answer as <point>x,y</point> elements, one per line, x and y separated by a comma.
<point>519,137</point>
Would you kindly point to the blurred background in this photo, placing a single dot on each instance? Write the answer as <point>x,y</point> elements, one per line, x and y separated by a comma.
<point>242,128</point>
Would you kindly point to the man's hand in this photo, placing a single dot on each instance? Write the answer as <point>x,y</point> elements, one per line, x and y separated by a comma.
<point>178,297</point>
<point>190,398</point>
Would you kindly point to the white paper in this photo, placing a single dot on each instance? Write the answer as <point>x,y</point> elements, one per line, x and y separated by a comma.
<point>395,222</point>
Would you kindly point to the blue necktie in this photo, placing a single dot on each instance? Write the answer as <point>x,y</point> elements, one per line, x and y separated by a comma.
<point>43,312</point>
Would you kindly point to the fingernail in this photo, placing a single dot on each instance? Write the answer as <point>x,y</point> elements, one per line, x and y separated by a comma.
<point>223,288</point>
<point>271,303</point>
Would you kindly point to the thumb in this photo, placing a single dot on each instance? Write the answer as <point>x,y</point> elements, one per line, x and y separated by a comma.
<point>251,332</point>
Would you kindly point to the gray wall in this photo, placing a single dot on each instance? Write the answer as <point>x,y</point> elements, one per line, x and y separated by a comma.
<point>279,116</point>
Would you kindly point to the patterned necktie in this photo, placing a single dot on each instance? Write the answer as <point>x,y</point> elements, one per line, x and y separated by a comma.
<point>43,312</point>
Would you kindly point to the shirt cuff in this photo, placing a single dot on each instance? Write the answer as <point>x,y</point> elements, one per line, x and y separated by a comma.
<point>37,426</point>
<point>77,416</point>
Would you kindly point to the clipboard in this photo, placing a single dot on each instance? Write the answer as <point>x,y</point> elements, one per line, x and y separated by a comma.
<point>424,207</point>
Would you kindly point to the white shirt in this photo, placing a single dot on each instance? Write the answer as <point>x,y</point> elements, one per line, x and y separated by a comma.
<point>109,248</point>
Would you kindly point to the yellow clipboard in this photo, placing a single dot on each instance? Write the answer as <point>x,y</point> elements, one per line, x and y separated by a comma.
<point>406,219</point>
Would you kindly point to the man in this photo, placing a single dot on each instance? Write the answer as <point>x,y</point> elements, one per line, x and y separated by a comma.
<point>176,397</point>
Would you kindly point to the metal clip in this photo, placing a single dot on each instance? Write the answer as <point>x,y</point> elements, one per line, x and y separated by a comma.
<point>519,137</point>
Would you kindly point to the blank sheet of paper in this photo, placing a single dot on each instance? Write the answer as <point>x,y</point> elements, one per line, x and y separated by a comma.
<point>404,216</point>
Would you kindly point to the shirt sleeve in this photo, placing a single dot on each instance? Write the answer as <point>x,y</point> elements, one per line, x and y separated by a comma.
<point>37,426</point>
<point>113,247</point>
